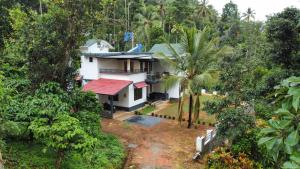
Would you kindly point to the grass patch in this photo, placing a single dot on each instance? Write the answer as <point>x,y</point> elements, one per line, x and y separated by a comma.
<point>148,109</point>
<point>107,154</point>
<point>172,109</point>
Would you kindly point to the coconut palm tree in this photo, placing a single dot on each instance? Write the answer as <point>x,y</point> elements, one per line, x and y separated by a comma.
<point>249,14</point>
<point>202,9</point>
<point>162,14</point>
<point>193,63</point>
<point>144,21</point>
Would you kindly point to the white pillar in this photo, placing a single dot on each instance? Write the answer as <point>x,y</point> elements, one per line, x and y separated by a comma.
<point>199,144</point>
<point>128,65</point>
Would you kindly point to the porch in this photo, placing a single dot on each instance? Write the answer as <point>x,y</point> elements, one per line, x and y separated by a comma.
<point>124,95</point>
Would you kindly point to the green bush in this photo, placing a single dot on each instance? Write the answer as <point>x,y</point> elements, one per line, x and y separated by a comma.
<point>222,158</point>
<point>246,144</point>
<point>107,154</point>
<point>263,110</point>
<point>26,155</point>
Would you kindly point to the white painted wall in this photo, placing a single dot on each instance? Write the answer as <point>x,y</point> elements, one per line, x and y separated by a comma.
<point>129,91</point>
<point>126,97</point>
<point>136,77</point>
<point>94,48</point>
<point>174,91</point>
<point>133,102</point>
<point>161,67</point>
<point>89,70</point>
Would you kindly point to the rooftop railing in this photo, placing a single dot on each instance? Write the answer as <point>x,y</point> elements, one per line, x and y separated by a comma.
<point>120,71</point>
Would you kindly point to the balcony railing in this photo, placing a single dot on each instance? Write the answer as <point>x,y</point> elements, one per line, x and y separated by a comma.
<point>120,71</point>
<point>156,77</point>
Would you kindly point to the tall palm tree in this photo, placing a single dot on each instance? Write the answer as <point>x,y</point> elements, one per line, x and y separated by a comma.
<point>202,9</point>
<point>144,21</point>
<point>162,13</point>
<point>193,63</point>
<point>249,14</point>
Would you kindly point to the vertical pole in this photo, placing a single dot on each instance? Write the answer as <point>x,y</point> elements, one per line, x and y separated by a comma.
<point>128,16</point>
<point>132,40</point>
<point>111,106</point>
<point>114,22</point>
<point>190,111</point>
<point>125,12</point>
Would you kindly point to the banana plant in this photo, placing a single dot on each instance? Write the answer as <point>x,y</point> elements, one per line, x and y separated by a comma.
<point>281,137</point>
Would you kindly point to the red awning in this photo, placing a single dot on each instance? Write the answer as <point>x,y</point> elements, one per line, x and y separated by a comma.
<point>140,85</point>
<point>106,86</point>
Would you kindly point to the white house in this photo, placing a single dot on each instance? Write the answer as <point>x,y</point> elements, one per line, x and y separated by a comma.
<point>124,80</point>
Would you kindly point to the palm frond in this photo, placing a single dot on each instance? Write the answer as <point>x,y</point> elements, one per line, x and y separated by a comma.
<point>169,81</point>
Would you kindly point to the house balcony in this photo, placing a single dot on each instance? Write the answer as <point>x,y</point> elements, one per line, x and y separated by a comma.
<point>155,77</point>
<point>121,71</point>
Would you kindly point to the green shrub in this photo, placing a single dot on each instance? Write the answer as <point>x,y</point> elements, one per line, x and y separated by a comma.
<point>263,110</point>
<point>107,154</point>
<point>246,144</point>
<point>28,155</point>
<point>222,158</point>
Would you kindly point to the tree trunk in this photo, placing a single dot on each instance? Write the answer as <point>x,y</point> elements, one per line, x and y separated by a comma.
<point>190,111</point>
<point>197,108</point>
<point>1,161</point>
<point>60,156</point>
<point>180,109</point>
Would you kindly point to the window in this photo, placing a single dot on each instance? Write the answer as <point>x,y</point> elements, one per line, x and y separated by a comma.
<point>90,59</point>
<point>138,93</point>
<point>116,98</point>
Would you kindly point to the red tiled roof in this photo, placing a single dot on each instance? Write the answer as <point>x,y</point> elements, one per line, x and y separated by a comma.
<point>140,85</point>
<point>106,86</point>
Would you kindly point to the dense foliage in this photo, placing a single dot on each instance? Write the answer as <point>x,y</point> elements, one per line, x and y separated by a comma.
<point>40,104</point>
<point>46,120</point>
<point>281,136</point>
<point>263,57</point>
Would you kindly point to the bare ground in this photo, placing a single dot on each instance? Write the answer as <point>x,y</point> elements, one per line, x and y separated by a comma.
<point>166,145</point>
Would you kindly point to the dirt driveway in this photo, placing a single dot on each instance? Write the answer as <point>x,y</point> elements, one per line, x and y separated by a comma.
<point>166,145</point>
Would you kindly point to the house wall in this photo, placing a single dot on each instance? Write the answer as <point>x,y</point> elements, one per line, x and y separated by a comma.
<point>135,77</point>
<point>95,49</point>
<point>129,101</point>
<point>89,70</point>
<point>173,91</point>
<point>137,64</point>
<point>111,64</point>
<point>162,67</point>
<point>116,64</point>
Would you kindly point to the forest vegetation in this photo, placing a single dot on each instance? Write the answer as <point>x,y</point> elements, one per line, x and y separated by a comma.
<point>46,119</point>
